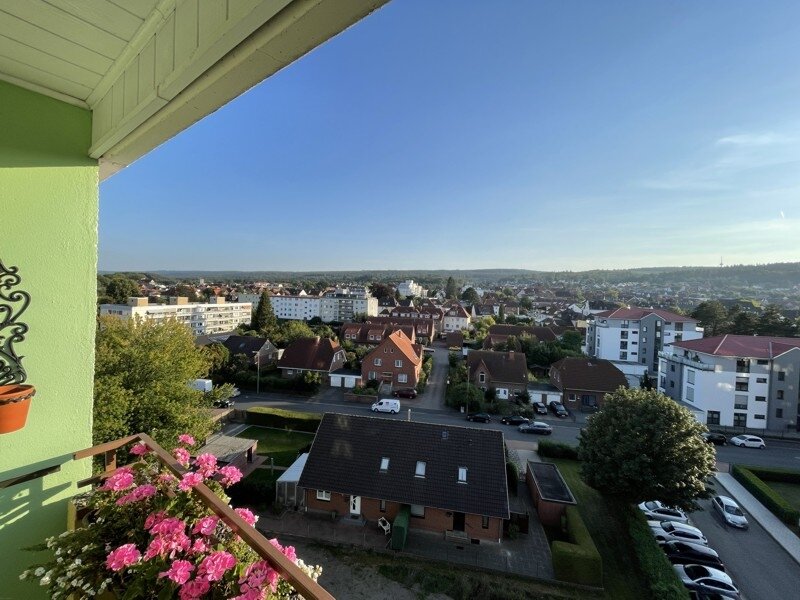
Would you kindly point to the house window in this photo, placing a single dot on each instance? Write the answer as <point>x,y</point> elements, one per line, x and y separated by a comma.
<point>373,375</point>
<point>762,362</point>
<point>761,380</point>
<point>672,368</point>
<point>402,378</point>
<point>712,417</point>
<point>781,375</point>
<point>740,419</point>
<point>289,372</point>
<point>778,413</point>
<point>672,384</point>
<point>761,398</point>
<point>780,394</point>
<point>482,377</point>
<point>690,394</point>
<point>759,417</point>
<point>623,356</point>
<point>323,495</point>
<point>742,386</point>
<point>418,510</point>
<point>420,471</point>
<point>384,464</point>
<point>398,363</point>
<point>740,401</point>
<point>377,362</point>
<point>462,474</point>
<point>690,376</point>
<point>485,522</point>
<point>572,397</point>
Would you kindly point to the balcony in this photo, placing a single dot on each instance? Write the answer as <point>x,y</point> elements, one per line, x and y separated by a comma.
<point>689,361</point>
<point>288,570</point>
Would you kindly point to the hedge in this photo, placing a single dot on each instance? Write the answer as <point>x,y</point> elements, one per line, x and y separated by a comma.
<point>775,474</point>
<point>557,450</point>
<point>661,579</point>
<point>776,504</point>
<point>283,419</point>
<point>578,560</point>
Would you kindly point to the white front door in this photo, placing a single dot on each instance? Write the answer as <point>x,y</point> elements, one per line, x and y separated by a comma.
<point>502,393</point>
<point>355,506</point>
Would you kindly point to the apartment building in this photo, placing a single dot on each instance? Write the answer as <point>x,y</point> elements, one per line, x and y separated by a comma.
<point>735,380</point>
<point>216,316</point>
<point>632,337</point>
<point>410,288</point>
<point>301,307</point>
<point>347,305</point>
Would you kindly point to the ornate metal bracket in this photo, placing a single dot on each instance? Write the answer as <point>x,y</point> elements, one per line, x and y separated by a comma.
<point>12,304</point>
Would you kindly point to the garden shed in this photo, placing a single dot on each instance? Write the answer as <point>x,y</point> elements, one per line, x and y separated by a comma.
<point>286,487</point>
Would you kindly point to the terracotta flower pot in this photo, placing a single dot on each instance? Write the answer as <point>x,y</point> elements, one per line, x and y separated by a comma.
<point>15,400</point>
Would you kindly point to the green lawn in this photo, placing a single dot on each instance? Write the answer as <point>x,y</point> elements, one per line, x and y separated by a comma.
<point>789,491</point>
<point>607,526</point>
<point>279,444</point>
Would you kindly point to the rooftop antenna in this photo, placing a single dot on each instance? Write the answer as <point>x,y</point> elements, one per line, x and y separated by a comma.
<point>720,261</point>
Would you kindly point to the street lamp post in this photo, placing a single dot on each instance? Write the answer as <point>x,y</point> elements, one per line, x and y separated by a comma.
<point>258,368</point>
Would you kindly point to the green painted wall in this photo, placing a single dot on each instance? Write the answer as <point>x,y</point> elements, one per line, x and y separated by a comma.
<point>48,228</point>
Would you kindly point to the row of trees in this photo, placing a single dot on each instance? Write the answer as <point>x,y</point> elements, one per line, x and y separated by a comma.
<point>716,319</point>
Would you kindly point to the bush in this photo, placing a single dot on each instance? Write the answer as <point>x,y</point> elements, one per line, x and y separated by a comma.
<point>557,450</point>
<point>658,572</point>
<point>776,504</point>
<point>512,477</point>
<point>256,490</point>
<point>578,560</point>
<point>283,419</point>
<point>775,474</point>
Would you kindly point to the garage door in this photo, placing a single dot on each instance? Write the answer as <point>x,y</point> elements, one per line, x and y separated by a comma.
<point>336,381</point>
<point>349,382</point>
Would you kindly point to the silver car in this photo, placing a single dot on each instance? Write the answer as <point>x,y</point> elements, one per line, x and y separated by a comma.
<point>656,511</point>
<point>729,511</point>
<point>706,579</point>
<point>669,531</point>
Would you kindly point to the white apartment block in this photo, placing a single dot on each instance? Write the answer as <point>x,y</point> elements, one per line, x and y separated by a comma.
<point>631,338</point>
<point>297,308</point>
<point>410,288</point>
<point>332,307</point>
<point>735,380</point>
<point>216,316</point>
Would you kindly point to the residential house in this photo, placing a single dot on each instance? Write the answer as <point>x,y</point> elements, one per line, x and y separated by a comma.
<point>372,334</point>
<point>735,380</point>
<point>424,329</point>
<point>260,350</point>
<point>451,478</point>
<point>318,355</point>
<point>396,360</point>
<point>499,334</point>
<point>633,337</point>
<point>505,372</point>
<point>583,382</point>
<point>456,318</point>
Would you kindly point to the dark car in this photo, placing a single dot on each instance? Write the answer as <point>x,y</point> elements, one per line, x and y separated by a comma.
<point>539,408</point>
<point>480,417</point>
<point>223,403</point>
<point>514,420</point>
<point>558,409</point>
<point>536,427</point>
<point>405,393</point>
<point>718,439</point>
<point>687,553</point>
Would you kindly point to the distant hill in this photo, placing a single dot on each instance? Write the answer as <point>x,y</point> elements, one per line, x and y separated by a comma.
<point>781,275</point>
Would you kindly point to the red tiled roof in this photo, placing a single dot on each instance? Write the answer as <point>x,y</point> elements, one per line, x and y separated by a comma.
<point>315,354</point>
<point>634,313</point>
<point>752,346</point>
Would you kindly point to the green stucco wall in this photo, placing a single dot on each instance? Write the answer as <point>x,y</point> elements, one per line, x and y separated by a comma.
<point>48,228</point>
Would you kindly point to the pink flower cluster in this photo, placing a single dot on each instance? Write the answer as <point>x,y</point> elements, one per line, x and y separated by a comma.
<point>182,456</point>
<point>206,464</point>
<point>169,538</point>
<point>190,480</point>
<point>230,475</point>
<point>256,577</point>
<point>186,439</point>
<point>140,449</point>
<point>121,480</point>
<point>124,556</point>
<point>206,525</point>
<point>138,493</point>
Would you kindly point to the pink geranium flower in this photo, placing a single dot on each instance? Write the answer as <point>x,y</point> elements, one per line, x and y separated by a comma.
<point>140,449</point>
<point>182,456</point>
<point>154,519</point>
<point>122,479</point>
<point>122,557</point>
<point>192,590</point>
<point>255,577</point>
<point>206,464</point>
<point>230,475</point>
<point>189,481</point>
<point>199,546</point>
<point>215,564</point>
<point>139,493</point>
<point>247,515</point>
<point>185,438</point>
<point>179,571</point>
<point>206,525</point>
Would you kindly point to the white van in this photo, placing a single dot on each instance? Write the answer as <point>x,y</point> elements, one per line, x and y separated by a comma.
<point>387,405</point>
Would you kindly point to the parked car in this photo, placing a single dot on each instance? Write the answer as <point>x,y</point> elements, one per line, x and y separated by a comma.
<point>656,511</point>
<point>539,408</point>
<point>748,441</point>
<point>729,511</point>
<point>404,393</point>
<point>689,553</point>
<point>223,403</point>
<point>387,405</point>
<point>670,531</point>
<point>236,392</point>
<point>428,350</point>
<point>480,417</point>
<point>514,420</point>
<point>535,427</point>
<point>558,409</point>
<point>706,579</point>
<point>718,439</point>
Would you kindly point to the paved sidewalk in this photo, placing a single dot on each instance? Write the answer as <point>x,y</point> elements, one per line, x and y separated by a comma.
<point>774,526</point>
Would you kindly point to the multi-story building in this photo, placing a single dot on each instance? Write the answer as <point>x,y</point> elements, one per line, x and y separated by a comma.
<point>455,318</point>
<point>735,380</point>
<point>301,307</point>
<point>631,338</point>
<point>216,316</point>
<point>343,305</point>
<point>410,288</point>
<point>396,360</point>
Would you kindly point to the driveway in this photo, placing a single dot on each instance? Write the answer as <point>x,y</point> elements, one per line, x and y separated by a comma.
<point>433,396</point>
<point>756,563</point>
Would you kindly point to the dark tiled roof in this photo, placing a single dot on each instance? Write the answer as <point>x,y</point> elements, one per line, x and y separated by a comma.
<point>245,344</point>
<point>751,346</point>
<point>587,374</point>
<point>635,313</point>
<point>550,483</point>
<point>543,334</point>
<point>346,456</point>
<point>314,354</point>
<point>502,366</point>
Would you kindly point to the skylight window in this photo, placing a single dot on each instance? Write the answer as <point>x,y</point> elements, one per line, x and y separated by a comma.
<point>384,464</point>
<point>420,472</point>
<point>462,474</point>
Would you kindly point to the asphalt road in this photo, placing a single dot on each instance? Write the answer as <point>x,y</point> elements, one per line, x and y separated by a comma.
<point>760,568</point>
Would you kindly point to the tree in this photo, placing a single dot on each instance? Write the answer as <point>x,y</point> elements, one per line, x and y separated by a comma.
<point>646,383</point>
<point>772,322</point>
<point>290,331</point>
<point>264,318</point>
<point>119,289</point>
<point>713,317</point>
<point>744,323</point>
<point>470,296</point>
<point>142,376</point>
<point>642,446</point>
<point>381,290</point>
<point>572,340</point>
<point>450,290</point>
<point>218,357</point>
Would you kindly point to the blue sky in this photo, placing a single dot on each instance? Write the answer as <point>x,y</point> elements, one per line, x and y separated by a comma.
<point>522,134</point>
